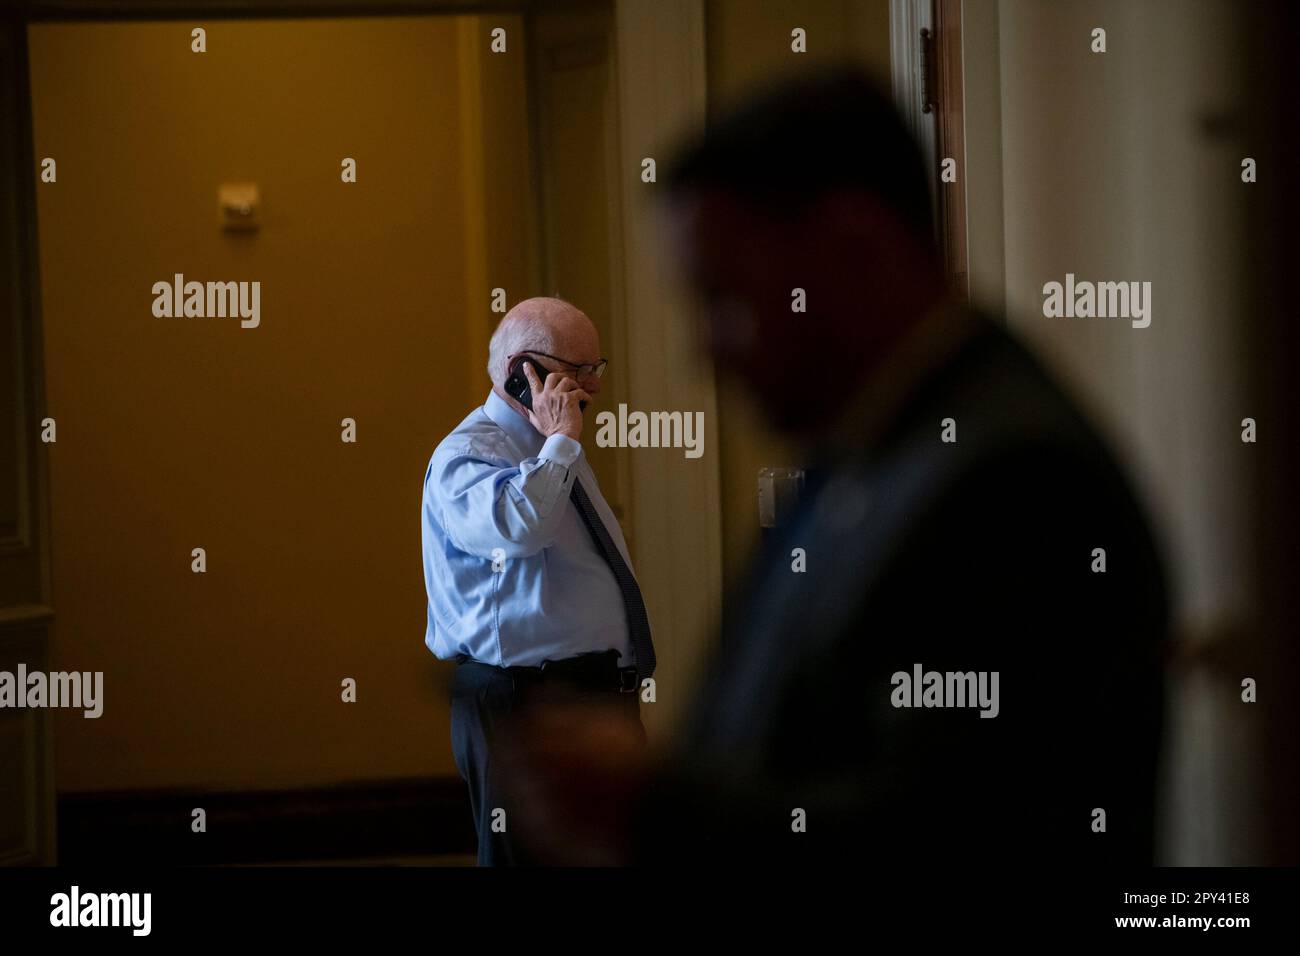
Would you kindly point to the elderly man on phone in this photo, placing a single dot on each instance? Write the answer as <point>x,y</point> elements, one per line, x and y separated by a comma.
<point>529,581</point>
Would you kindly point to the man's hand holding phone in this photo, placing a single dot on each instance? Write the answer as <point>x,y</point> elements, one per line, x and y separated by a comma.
<point>555,408</point>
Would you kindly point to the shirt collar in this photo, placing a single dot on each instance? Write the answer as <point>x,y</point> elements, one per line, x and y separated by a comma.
<point>520,430</point>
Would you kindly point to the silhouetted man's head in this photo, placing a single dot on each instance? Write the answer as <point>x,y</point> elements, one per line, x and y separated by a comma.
<point>813,185</point>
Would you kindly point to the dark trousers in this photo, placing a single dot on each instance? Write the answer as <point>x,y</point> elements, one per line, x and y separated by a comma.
<point>485,700</point>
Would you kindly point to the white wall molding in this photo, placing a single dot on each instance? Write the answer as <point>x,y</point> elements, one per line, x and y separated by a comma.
<point>675,505</point>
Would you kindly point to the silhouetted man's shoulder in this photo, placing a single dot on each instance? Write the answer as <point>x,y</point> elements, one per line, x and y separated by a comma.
<point>966,655</point>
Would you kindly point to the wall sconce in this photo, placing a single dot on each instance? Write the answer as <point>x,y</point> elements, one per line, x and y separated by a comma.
<point>239,206</point>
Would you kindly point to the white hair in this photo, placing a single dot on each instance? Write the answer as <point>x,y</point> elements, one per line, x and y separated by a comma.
<point>516,333</point>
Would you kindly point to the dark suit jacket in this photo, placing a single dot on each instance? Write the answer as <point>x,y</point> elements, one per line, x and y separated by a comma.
<point>968,556</point>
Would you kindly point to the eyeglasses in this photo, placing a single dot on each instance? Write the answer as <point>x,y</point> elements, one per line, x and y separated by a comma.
<point>597,368</point>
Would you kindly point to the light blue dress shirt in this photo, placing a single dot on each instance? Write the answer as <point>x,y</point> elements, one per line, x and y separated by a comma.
<point>495,487</point>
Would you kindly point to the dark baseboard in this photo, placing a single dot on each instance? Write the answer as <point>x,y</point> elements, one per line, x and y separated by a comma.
<point>420,817</point>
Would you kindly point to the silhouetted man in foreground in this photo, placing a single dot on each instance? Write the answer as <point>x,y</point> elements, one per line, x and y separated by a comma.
<point>966,672</point>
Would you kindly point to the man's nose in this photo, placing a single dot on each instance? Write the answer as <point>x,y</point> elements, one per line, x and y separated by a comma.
<point>590,384</point>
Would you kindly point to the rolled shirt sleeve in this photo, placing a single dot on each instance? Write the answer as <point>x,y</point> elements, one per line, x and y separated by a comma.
<point>486,503</point>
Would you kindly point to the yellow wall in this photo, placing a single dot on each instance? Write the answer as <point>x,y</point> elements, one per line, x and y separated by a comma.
<point>748,42</point>
<point>183,433</point>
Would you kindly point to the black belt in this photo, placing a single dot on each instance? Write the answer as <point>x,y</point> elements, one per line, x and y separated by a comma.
<point>596,670</point>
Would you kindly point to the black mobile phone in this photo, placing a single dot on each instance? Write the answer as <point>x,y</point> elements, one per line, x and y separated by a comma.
<point>517,386</point>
